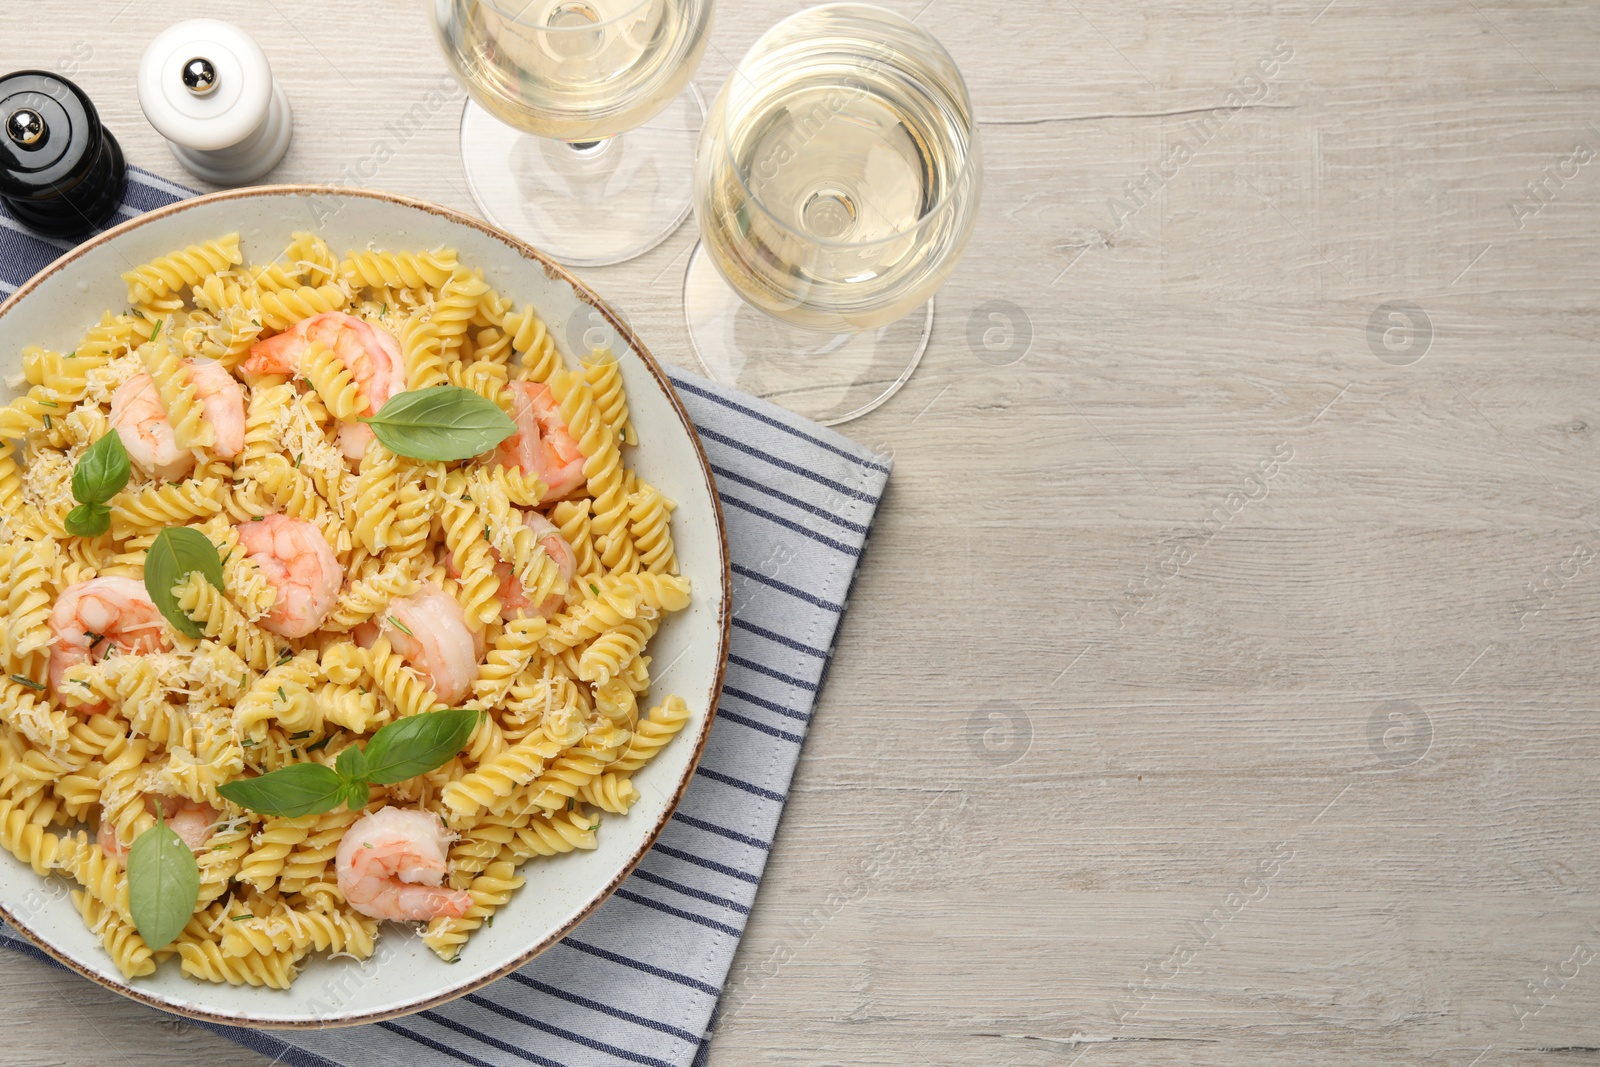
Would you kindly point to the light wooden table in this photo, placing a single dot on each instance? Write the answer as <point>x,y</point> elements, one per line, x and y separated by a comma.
<point>1215,690</point>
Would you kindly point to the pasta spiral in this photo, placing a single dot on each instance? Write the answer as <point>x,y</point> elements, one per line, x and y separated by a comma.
<point>205,960</point>
<point>282,309</point>
<point>424,351</point>
<point>24,834</point>
<point>308,861</point>
<point>270,850</point>
<point>499,777</point>
<point>351,707</point>
<point>377,496</point>
<point>457,304</point>
<point>532,342</point>
<point>281,695</point>
<point>604,375</point>
<point>464,528</point>
<point>551,834</point>
<point>610,792</point>
<point>206,605</point>
<point>649,513</point>
<point>490,891</point>
<point>510,655</point>
<point>151,508</point>
<point>122,942</point>
<point>179,398</point>
<point>333,381</point>
<point>401,686</point>
<point>522,488</point>
<point>165,275</point>
<point>221,859</point>
<point>654,731</point>
<point>24,630</point>
<point>425,270</point>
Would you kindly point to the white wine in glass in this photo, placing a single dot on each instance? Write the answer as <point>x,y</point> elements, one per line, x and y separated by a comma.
<point>579,134</point>
<point>836,185</point>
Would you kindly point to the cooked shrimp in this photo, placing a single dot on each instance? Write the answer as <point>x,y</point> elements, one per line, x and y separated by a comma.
<point>515,605</point>
<point>367,350</point>
<point>91,617</point>
<point>390,864</point>
<point>542,444</point>
<point>146,433</point>
<point>429,631</point>
<point>298,562</point>
<point>191,820</point>
<point>222,398</point>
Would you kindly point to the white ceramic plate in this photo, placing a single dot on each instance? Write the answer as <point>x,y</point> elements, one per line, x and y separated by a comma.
<point>56,307</point>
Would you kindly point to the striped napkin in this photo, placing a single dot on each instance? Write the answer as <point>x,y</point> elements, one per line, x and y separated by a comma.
<point>638,982</point>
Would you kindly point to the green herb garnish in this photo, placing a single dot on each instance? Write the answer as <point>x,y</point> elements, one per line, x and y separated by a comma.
<point>398,625</point>
<point>163,884</point>
<point>292,791</point>
<point>29,682</point>
<point>443,422</point>
<point>176,552</point>
<point>404,749</point>
<point>100,474</point>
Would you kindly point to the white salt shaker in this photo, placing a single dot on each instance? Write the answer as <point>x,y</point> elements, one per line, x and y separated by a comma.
<point>208,89</point>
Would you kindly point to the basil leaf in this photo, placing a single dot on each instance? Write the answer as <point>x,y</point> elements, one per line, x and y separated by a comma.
<point>443,422</point>
<point>351,765</point>
<point>292,791</point>
<point>357,795</point>
<point>163,885</point>
<point>176,551</point>
<point>418,743</point>
<point>102,470</point>
<point>88,520</point>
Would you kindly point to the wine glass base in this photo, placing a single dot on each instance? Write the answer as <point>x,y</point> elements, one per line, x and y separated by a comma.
<point>830,378</point>
<point>589,206</point>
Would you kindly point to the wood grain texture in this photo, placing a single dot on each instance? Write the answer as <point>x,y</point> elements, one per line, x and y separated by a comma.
<point>1132,753</point>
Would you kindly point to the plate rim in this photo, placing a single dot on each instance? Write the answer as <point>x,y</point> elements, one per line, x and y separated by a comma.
<point>555,272</point>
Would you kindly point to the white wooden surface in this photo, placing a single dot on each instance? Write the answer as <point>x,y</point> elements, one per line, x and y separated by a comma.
<point>1043,815</point>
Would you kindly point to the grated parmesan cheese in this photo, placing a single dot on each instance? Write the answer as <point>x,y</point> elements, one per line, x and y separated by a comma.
<point>47,481</point>
<point>104,380</point>
<point>303,440</point>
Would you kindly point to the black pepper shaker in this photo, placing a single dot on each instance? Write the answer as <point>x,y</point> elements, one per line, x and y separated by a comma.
<point>61,171</point>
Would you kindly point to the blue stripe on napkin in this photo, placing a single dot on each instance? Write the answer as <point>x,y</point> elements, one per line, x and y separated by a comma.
<point>638,982</point>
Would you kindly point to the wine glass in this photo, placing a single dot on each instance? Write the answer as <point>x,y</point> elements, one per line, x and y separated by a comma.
<point>835,184</point>
<point>579,135</point>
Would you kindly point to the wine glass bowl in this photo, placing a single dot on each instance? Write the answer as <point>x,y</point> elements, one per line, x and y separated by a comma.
<point>578,135</point>
<point>573,70</point>
<point>836,184</point>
